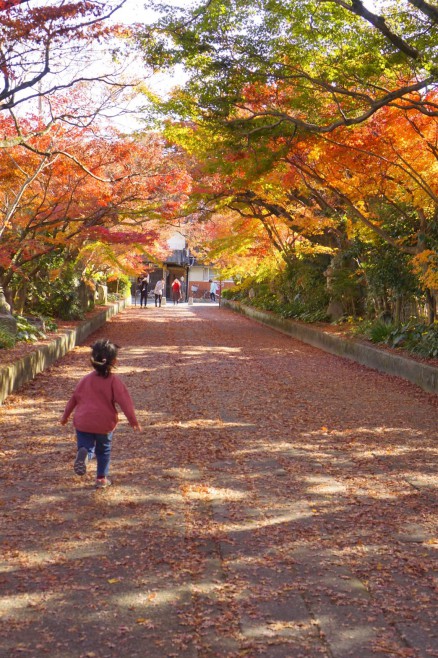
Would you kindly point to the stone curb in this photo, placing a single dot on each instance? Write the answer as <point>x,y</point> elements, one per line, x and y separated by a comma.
<point>424,376</point>
<point>12,377</point>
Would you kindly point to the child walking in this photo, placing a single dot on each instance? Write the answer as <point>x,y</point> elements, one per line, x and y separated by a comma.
<point>95,416</point>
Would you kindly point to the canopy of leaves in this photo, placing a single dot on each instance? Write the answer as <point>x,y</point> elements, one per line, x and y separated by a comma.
<point>325,62</point>
<point>317,193</point>
<point>49,203</point>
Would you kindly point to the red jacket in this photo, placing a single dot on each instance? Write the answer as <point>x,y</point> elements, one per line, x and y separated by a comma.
<point>176,286</point>
<point>94,401</point>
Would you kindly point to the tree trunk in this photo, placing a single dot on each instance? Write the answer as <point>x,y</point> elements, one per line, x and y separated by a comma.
<point>431,306</point>
<point>20,298</point>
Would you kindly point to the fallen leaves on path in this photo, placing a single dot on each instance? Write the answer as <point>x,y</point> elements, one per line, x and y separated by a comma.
<point>279,502</point>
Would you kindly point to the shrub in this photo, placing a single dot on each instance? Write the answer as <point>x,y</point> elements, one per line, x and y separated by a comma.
<point>380,331</point>
<point>114,297</point>
<point>418,338</point>
<point>298,291</point>
<point>60,300</point>
<point>302,288</point>
<point>53,291</point>
<point>428,344</point>
<point>27,331</point>
<point>66,307</point>
<point>50,324</point>
<point>230,293</point>
<point>415,337</point>
<point>7,340</point>
<point>240,291</point>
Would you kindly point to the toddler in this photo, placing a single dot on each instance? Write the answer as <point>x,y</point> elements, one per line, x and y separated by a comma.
<point>95,414</point>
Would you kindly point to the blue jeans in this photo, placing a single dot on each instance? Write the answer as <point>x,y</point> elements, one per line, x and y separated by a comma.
<point>99,445</point>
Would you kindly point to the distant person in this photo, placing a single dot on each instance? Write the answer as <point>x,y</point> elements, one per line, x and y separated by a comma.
<point>158,292</point>
<point>138,291</point>
<point>213,290</point>
<point>133,292</point>
<point>176,291</point>
<point>95,414</point>
<point>183,289</point>
<point>144,291</point>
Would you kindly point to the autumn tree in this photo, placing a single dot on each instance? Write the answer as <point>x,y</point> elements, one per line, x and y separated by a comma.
<point>320,64</point>
<point>73,190</point>
<point>65,62</point>
<point>262,78</point>
<point>249,185</point>
<point>40,44</point>
<point>320,194</point>
<point>383,176</point>
<point>51,204</point>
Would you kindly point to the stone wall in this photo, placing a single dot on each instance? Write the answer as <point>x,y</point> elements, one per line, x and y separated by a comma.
<point>424,376</point>
<point>13,376</point>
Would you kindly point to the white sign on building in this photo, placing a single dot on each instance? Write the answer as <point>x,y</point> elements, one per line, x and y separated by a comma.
<point>177,242</point>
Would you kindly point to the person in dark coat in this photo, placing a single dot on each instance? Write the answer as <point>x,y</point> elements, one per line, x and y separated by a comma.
<point>144,287</point>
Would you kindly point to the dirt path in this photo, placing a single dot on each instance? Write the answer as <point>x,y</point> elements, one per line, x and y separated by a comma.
<point>280,502</point>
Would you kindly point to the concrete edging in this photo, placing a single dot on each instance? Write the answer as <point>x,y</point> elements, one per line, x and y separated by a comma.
<point>13,376</point>
<point>424,376</point>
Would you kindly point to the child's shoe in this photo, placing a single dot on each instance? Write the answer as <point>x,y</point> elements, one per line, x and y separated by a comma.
<point>80,465</point>
<point>101,483</point>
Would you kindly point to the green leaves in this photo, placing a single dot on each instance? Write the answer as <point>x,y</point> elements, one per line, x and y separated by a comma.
<point>323,60</point>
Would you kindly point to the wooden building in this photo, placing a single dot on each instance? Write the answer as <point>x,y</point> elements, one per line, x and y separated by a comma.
<point>180,263</point>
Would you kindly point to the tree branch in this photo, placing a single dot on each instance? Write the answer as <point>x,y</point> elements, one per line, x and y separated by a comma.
<point>375,106</point>
<point>357,7</point>
<point>426,8</point>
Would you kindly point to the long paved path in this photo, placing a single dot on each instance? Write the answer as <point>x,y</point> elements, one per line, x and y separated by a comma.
<point>279,502</point>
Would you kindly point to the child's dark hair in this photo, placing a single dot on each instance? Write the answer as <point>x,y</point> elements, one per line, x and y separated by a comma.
<point>103,356</point>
